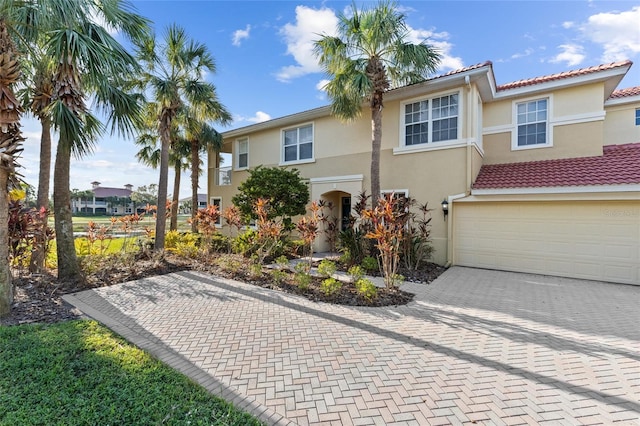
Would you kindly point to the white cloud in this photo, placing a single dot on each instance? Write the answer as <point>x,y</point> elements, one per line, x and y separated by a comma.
<point>527,52</point>
<point>568,24</point>
<point>240,35</point>
<point>259,117</point>
<point>439,40</point>
<point>321,84</point>
<point>309,26</point>
<point>617,32</point>
<point>571,54</point>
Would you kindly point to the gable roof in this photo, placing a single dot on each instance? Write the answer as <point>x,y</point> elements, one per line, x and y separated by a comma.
<point>619,165</point>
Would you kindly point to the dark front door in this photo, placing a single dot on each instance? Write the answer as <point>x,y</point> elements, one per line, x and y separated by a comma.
<point>345,212</point>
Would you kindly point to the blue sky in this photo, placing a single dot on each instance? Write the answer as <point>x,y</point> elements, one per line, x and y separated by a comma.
<point>265,68</point>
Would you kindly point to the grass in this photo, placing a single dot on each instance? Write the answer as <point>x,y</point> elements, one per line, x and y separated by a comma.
<point>80,373</point>
<point>80,222</point>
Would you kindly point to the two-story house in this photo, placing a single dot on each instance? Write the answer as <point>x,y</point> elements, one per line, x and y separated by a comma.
<point>539,175</point>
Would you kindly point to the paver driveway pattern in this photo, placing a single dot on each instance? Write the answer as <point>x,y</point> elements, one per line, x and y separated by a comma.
<point>474,347</point>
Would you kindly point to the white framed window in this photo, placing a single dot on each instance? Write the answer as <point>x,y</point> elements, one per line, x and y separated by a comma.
<point>637,116</point>
<point>297,144</point>
<point>431,120</point>
<point>532,129</point>
<point>242,153</point>
<point>217,201</point>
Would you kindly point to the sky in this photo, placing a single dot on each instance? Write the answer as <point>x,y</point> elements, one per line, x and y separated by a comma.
<point>265,67</point>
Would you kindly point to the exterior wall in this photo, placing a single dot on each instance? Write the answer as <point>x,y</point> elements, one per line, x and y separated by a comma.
<point>576,118</point>
<point>620,124</point>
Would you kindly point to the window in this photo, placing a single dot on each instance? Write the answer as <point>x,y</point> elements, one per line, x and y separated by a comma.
<point>242,153</point>
<point>638,117</point>
<point>298,144</point>
<point>217,201</point>
<point>531,119</point>
<point>431,120</point>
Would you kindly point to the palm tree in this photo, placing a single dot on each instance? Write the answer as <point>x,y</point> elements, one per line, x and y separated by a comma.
<point>150,153</point>
<point>174,78</point>
<point>10,146</point>
<point>201,138</point>
<point>90,63</point>
<point>39,101</point>
<point>370,55</point>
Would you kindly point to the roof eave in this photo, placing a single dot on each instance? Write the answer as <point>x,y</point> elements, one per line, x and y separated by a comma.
<point>612,78</point>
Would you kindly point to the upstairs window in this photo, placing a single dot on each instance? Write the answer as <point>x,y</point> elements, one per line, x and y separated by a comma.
<point>638,117</point>
<point>532,120</point>
<point>431,120</point>
<point>298,144</point>
<point>242,148</point>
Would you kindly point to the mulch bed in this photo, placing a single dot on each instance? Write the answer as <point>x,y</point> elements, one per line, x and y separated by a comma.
<point>38,298</point>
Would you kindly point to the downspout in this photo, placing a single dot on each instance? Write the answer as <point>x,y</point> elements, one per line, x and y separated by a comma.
<point>450,200</point>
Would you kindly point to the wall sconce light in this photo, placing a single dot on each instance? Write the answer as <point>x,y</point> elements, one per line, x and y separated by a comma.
<point>445,207</point>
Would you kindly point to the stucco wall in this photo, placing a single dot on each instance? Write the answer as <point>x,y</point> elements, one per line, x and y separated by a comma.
<point>620,124</point>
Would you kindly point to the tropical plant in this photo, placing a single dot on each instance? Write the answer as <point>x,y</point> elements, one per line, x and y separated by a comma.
<point>173,75</point>
<point>10,146</point>
<point>370,55</point>
<point>308,229</point>
<point>201,137</point>
<point>388,220</point>
<point>89,62</point>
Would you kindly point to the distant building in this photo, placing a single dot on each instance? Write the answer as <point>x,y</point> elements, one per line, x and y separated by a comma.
<point>103,201</point>
<point>185,203</point>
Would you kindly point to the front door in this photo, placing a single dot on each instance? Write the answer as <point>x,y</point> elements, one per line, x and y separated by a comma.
<point>345,212</point>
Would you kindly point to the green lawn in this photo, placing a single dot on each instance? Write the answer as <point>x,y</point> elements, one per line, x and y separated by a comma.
<point>80,222</point>
<point>80,373</point>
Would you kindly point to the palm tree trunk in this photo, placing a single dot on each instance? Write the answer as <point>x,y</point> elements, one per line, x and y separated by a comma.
<point>6,285</point>
<point>38,255</point>
<point>176,198</point>
<point>68,267</point>
<point>161,212</point>
<point>195,171</point>
<point>376,142</point>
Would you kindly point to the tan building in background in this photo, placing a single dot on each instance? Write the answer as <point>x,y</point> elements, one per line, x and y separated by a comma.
<point>540,175</point>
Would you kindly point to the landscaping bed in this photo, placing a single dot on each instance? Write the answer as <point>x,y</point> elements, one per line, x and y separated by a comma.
<point>38,298</point>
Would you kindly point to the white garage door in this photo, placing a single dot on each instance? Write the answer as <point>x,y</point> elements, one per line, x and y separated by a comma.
<point>581,239</point>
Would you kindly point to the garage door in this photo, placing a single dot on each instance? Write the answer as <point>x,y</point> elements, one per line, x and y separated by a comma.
<point>581,239</point>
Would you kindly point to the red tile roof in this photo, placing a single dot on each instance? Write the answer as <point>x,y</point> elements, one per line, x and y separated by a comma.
<point>623,93</point>
<point>619,165</point>
<point>562,75</point>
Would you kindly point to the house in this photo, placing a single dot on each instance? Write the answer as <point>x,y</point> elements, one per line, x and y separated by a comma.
<point>539,175</point>
<point>185,203</point>
<point>103,201</point>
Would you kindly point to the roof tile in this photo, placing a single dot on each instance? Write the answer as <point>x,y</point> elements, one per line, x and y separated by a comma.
<point>562,75</point>
<point>623,93</point>
<point>619,165</point>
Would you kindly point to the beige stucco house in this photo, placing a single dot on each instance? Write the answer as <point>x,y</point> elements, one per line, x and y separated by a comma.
<point>540,175</point>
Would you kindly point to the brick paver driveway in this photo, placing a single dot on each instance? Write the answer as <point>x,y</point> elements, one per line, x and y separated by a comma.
<point>475,347</point>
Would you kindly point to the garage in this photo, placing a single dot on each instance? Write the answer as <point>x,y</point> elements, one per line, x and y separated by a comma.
<point>597,240</point>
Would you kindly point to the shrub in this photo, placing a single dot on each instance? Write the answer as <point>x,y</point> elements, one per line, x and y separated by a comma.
<point>284,189</point>
<point>220,244</point>
<point>246,243</point>
<point>366,289</point>
<point>302,275</point>
<point>370,264</point>
<point>330,286</point>
<point>326,268</point>
<point>278,275</point>
<point>356,273</point>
